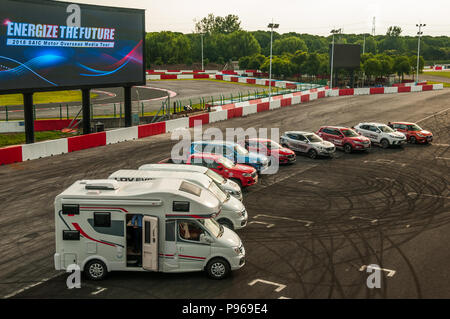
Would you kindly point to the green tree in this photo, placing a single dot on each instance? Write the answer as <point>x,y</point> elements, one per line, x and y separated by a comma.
<point>244,62</point>
<point>289,45</point>
<point>213,24</point>
<point>402,65</point>
<point>256,61</point>
<point>372,67</point>
<point>242,43</point>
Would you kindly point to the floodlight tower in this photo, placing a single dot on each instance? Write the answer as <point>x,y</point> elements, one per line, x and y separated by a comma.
<point>418,48</point>
<point>271,26</point>
<point>334,31</point>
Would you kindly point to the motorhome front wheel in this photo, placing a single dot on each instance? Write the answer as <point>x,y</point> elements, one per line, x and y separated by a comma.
<point>218,268</point>
<point>95,270</point>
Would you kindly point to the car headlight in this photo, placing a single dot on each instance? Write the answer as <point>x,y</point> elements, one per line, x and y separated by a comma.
<point>247,175</point>
<point>420,135</point>
<point>237,250</point>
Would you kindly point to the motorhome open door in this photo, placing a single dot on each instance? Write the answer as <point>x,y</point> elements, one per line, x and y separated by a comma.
<point>150,243</point>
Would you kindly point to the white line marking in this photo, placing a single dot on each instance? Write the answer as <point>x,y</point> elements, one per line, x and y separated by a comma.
<point>99,290</point>
<point>429,195</point>
<point>280,286</point>
<point>282,297</point>
<point>443,158</point>
<point>426,118</point>
<point>30,286</point>
<point>373,221</point>
<point>306,222</point>
<point>384,161</point>
<point>390,272</point>
<point>262,223</point>
<point>385,179</point>
<point>443,145</point>
<point>308,181</point>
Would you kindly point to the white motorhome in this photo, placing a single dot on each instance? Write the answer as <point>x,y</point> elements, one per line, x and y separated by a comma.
<point>98,222</point>
<point>227,185</point>
<point>233,214</point>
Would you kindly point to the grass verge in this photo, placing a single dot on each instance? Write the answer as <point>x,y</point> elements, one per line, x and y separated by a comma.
<point>44,98</point>
<point>437,73</point>
<point>8,139</point>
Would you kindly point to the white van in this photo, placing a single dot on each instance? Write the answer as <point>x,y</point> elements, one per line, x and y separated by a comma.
<point>227,185</point>
<point>233,214</point>
<point>168,221</point>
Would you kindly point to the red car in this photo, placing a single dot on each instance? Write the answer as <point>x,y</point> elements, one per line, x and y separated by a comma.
<point>271,149</point>
<point>345,138</point>
<point>414,133</point>
<point>243,175</point>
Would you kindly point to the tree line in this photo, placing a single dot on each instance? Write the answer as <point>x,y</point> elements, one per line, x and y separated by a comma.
<point>224,41</point>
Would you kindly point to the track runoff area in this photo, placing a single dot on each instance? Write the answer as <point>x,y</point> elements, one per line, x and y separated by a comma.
<point>314,227</point>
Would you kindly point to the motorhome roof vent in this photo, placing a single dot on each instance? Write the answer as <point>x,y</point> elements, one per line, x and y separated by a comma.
<point>106,184</point>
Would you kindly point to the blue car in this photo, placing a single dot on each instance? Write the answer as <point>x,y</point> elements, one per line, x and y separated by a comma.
<point>233,152</point>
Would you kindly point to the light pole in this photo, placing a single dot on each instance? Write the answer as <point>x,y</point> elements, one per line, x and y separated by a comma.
<point>334,31</point>
<point>271,26</point>
<point>203,67</point>
<point>418,48</point>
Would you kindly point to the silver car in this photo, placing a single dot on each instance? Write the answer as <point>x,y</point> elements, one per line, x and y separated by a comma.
<point>307,142</point>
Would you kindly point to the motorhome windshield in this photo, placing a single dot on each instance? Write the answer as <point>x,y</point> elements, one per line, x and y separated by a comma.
<point>213,188</point>
<point>215,177</point>
<point>212,226</point>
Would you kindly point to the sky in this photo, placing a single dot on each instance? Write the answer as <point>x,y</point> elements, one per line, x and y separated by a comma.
<point>313,17</point>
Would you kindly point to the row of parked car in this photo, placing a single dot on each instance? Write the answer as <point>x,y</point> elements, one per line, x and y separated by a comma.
<point>243,163</point>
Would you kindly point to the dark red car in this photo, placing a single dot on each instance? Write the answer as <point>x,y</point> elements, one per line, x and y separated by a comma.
<point>271,149</point>
<point>345,138</point>
<point>414,133</point>
<point>243,175</point>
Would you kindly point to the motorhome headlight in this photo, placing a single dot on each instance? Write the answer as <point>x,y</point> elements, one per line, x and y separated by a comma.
<point>234,192</point>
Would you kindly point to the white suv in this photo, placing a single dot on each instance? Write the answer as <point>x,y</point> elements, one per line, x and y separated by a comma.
<point>381,134</point>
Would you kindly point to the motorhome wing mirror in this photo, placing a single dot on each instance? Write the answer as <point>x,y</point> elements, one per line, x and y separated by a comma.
<point>206,239</point>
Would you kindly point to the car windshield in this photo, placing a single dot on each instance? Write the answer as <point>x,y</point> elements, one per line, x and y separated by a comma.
<point>313,138</point>
<point>414,127</point>
<point>349,133</point>
<point>212,226</point>
<point>225,162</point>
<point>213,188</point>
<point>215,177</point>
<point>272,145</point>
<point>385,129</point>
<point>240,150</point>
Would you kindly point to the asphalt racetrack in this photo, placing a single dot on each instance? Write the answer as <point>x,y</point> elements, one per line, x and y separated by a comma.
<point>314,227</point>
<point>152,95</point>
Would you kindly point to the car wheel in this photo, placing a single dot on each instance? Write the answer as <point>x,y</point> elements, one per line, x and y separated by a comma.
<point>95,270</point>
<point>412,140</point>
<point>218,268</point>
<point>348,148</point>
<point>384,143</point>
<point>312,154</point>
<point>226,223</point>
<point>237,181</point>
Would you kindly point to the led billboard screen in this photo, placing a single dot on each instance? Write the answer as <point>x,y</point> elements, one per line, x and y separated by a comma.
<point>51,45</point>
<point>346,56</point>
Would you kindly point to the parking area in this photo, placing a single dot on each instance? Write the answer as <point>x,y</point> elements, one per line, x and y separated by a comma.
<point>314,227</point>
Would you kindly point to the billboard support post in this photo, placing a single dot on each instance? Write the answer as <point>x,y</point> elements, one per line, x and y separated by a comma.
<point>28,115</point>
<point>86,93</point>
<point>127,104</point>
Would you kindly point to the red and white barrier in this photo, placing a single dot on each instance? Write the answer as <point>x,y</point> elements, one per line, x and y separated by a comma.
<point>22,153</point>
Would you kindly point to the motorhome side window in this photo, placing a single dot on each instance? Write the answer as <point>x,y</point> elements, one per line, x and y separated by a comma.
<point>181,206</point>
<point>188,230</point>
<point>190,188</point>
<point>170,230</point>
<point>102,219</point>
